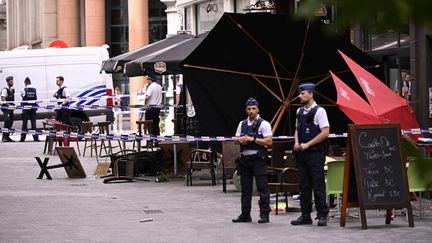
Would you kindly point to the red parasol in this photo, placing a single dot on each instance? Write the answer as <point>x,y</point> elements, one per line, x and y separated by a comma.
<point>354,106</point>
<point>386,103</point>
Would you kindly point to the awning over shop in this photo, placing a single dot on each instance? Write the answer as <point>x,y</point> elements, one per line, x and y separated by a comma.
<point>164,61</point>
<point>116,64</point>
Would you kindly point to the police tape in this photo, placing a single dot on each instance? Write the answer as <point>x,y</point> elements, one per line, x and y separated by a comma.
<point>138,137</point>
<point>77,99</point>
<point>81,107</point>
<point>133,136</point>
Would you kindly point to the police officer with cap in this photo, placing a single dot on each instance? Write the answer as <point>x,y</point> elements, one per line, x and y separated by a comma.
<point>253,134</point>
<point>8,94</point>
<point>312,128</point>
<point>27,94</point>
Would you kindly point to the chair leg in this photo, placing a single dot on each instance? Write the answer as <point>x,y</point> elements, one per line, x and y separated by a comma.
<point>120,146</point>
<point>78,148</point>
<point>95,148</point>
<point>286,202</point>
<point>213,175</point>
<point>110,147</point>
<point>85,147</point>
<point>46,144</point>
<point>189,178</point>
<point>277,203</point>
<point>420,204</point>
<point>224,181</point>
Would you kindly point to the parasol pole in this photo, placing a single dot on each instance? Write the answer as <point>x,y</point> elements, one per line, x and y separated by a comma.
<point>295,81</point>
<point>258,44</point>
<point>277,75</point>
<point>277,112</point>
<point>267,88</point>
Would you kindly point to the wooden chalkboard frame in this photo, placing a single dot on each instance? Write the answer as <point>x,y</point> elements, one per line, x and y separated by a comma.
<point>352,169</point>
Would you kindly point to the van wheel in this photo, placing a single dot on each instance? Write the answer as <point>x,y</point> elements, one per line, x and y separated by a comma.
<point>77,122</point>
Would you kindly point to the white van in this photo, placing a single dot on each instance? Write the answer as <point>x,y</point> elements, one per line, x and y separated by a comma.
<point>80,67</point>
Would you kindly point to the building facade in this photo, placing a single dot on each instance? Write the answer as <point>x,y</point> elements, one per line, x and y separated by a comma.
<point>124,25</point>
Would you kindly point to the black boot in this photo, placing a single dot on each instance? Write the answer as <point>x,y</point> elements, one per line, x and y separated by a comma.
<point>304,219</point>
<point>6,138</point>
<point>322,221</point>
<point>264,218</point>
<point>242,219</point>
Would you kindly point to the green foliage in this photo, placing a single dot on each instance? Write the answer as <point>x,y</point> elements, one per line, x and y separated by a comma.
<point>378,15</point>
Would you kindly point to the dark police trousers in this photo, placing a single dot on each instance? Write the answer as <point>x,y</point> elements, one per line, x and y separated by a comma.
<point>153,114</point>
<point>310,164</point>
<point>8,120</point>
<point>249,168</point>
<point>26,116</point>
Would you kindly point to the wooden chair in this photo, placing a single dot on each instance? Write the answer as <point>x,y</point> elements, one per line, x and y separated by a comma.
<point>64,141</point>
<point>49,141</point>
<point>230,152</point>
<point>335,150</point>
<point>88,128</point>
<point>175,155</point>
<point>144,128</point>
<point>201,159</point>
<point>125,165</point>
<point>104,129</point>
<point>282,172</point>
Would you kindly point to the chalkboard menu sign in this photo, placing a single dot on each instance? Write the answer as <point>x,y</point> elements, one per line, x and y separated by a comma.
<point>374,158</point>
<point>379,159</point>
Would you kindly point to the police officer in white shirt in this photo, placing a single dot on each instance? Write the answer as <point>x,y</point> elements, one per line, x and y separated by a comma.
<point>254,135</point>
<point>153,99</point>
<point>62,114</point>
<point>8,94</point>
<point>312,128</point>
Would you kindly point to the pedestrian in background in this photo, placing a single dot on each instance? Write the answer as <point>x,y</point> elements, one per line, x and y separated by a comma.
<point>141,100</point>
<point>153,100</point>
<point>8,94</point>
<point>119,106</point>
<point>28,93</point>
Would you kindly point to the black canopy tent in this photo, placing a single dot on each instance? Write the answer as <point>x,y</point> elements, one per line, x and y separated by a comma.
<point>169,59</point>
<point>265,56</point>
<point>115,64</point>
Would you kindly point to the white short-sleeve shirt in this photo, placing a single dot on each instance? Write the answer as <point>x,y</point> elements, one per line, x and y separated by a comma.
<point>154,92</point>
<point>265,128</point>
<point>4,92</point>
<point>178,89</point>
<point>320,118</point>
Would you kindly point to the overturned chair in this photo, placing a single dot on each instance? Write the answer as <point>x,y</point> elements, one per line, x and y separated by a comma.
<point>126,165</point>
